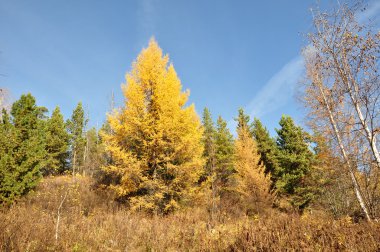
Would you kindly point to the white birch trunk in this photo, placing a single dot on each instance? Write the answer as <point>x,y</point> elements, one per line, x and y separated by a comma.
<point>348,163</point>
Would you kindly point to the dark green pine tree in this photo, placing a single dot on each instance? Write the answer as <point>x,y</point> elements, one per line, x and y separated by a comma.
<point>209,177</point>
<point>57,144</point>
<point>7,161</point>
<point>295,163</point>
<point>208,140</point>
<point>267,148</point>
<point>224,154</point>
<point>76,127</point>
<point>23,149</point>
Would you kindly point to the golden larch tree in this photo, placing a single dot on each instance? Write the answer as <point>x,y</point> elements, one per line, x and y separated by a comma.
<point>155,139</point>
<point>251,181</point>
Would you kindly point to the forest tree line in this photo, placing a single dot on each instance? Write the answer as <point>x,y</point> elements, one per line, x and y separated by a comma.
<point>34,145</point>
<point>158,156</point>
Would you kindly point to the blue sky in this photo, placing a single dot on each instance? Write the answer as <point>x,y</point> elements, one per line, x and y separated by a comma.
<point>230,54</point>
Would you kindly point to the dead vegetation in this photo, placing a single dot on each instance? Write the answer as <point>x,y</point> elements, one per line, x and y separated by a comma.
<point>91,221</point>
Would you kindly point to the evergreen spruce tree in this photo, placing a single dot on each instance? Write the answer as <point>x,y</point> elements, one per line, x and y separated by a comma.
<point>57,143</point>
<point>155,139</point>
<point>208,140</point>
<point>7,162</point>
<point>76,127</point>
<point>208,178</point>
<point>224,155</point>
<point>267,148</point>
<point>295,163</point>
<point>23,150</point>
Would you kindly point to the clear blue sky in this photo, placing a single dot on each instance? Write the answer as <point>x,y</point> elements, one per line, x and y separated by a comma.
<point>230,54</point>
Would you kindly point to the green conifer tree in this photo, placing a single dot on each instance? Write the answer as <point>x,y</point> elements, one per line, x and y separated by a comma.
<point>7,162</point>
<point>267,147</point>
<point>57,143</point>
<point>295,163</point>
<point>224,154</point>
<point>76,127</point>
<point>23,152</point>
<point>208,178</point>
<point>208,140</point>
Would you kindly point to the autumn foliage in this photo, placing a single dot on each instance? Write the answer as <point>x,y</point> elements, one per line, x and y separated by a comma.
<point>252,183</point>
<point>155,177</point>
<point>155,138</point>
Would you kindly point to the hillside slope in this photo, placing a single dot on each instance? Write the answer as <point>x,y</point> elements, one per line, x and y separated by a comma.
<point>89,220</point>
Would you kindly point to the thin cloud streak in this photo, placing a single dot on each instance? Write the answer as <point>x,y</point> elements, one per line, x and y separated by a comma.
<point>278,90</point>
<point>276,93</point>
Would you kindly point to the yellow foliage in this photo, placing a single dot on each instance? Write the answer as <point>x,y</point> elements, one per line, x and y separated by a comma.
<point>251,181</point>
<point>155,141</point>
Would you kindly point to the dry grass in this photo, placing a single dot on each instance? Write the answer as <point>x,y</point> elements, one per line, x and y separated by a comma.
<point>308,234</point>
<point>92,221</point>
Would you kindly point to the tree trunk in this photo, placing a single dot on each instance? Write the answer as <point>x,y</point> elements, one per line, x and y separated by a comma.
<point>74,161</point>
<point>213,188</point>
<point>59,215</point>
<point>85,156</point>
<point>344,154</point>
<point>353,91</point>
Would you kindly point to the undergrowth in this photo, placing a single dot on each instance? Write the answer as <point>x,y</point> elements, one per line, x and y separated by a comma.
<point>90,220</point>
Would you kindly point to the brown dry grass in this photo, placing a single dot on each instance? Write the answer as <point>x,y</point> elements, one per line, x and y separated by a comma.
<point>92,221</point>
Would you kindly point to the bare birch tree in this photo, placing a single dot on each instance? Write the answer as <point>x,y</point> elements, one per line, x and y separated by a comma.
<point>343,94</point>
<point>325,115</point>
